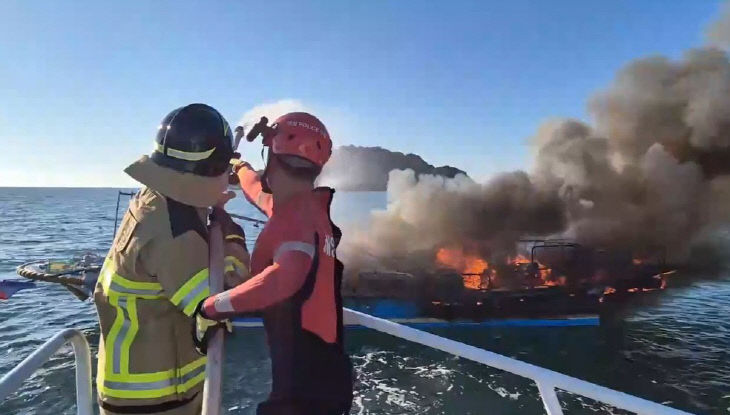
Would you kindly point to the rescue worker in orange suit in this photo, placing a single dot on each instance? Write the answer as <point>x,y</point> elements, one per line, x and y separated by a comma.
<point>296,275</point>
<point>156,272</point>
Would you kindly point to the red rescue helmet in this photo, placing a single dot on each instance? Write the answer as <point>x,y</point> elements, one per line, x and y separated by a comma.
<point>302,135</point>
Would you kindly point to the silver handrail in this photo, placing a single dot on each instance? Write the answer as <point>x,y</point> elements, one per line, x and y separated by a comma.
<point>547,380</point>
<point>15,378</point>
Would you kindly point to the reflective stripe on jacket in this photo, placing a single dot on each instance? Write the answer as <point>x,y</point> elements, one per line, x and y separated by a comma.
<point>152,279</point>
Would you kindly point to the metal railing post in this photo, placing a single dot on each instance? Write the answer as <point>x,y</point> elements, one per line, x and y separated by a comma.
<point>15,378</point>
<point>549,398</point>
<point>547,380</point>
<point>82,355</point>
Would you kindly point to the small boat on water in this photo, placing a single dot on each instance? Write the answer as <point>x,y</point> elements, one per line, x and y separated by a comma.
<point>77,274</point>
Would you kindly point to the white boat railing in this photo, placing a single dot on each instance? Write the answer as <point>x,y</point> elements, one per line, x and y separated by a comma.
<point>15,378</point>
<point>547,380</point>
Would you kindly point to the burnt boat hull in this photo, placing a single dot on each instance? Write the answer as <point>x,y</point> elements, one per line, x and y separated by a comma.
<point>414,314</point>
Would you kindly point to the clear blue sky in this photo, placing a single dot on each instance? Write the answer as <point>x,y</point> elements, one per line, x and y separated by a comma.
<point>84,84</point>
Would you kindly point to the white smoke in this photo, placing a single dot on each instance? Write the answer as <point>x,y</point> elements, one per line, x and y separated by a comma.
<point>271,110</point>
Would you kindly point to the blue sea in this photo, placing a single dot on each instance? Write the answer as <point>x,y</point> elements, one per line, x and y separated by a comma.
<point>671,347</point>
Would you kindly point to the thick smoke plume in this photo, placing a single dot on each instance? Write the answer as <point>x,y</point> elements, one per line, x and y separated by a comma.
<point>651,170</point>
<point>432,211</point>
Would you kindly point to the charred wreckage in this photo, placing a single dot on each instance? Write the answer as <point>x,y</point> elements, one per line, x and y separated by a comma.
<point>552,278</point>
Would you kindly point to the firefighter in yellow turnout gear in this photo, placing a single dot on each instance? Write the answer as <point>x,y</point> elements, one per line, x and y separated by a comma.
<point>156,272</point>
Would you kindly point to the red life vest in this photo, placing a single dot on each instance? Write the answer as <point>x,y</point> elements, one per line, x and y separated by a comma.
<point>305,331</point>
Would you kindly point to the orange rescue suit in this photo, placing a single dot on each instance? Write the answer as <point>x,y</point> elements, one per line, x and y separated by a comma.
<point>296,285</point>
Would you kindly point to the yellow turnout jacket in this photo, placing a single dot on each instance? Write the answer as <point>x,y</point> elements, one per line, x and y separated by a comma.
<point>153,278</point>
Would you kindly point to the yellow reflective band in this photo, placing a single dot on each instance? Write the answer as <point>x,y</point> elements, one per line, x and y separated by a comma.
<point>136,285</point>
<point>113,283</point>
<point>184,155</point>
<point>234,236</point>
<point>143,377</point>
<point>105,274</point>
<point>231,260</point>
<point>131,393</point>
<point>192,382</point>
<point>156,385</point>
<point>193,365</point>
<point>192,374</point>
<point>234,265</point>
<point>101,370</point>
<point>190,308</point>
<point>112,336</point>
<point>192,292</point>
<point>129,336</point>
<point>200,277</point>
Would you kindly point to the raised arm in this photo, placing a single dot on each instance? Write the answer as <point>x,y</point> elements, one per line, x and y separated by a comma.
<point>252,189</point>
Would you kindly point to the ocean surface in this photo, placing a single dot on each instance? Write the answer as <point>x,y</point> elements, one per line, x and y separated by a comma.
<point>671,347</point>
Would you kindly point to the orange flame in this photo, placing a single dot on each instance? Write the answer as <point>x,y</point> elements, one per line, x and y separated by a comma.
<point>460,261</point>
<point>544,272</point>
<point>471,267</point>
<point>477,273</point>
<point>473,282</point>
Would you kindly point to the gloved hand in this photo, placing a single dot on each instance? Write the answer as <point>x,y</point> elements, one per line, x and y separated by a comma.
<point>204,329</point>
<point>237,164</point>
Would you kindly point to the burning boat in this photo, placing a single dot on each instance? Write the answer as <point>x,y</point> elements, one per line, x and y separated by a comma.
<point>551,278</point>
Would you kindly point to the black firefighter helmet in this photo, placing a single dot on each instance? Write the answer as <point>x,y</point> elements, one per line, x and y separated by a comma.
<point>194,139</point>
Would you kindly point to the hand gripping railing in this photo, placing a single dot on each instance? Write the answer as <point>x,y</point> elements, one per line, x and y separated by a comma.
<point>13,379</point>
<point>546,380</point>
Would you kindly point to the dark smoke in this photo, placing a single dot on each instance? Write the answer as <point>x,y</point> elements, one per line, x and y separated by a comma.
<point>651,171</point>
<point>427,213</point>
